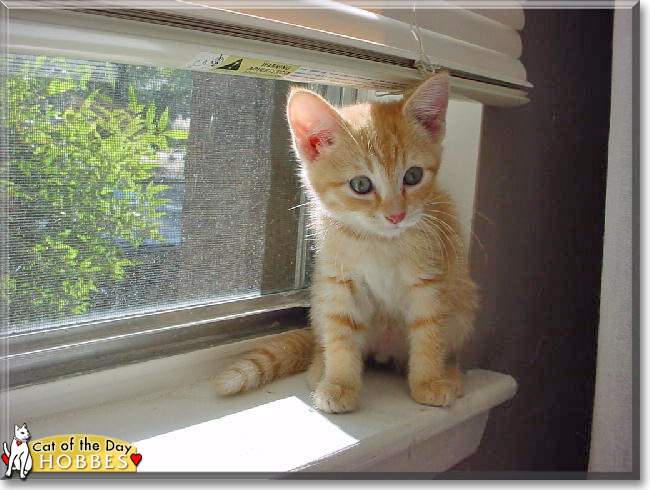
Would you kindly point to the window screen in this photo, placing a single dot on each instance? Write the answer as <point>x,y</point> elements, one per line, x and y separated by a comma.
<point>134,189</point>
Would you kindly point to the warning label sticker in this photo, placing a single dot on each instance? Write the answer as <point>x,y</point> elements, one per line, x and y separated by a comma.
<point>237,65</point>
<point>240,65</point>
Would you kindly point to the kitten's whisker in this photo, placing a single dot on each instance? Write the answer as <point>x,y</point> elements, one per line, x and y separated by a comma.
<point>480,215</point>
<point>444,237</point>
<point>435,234</point>
<point>441,244</point>
<point>447,238</point>
<point>477,213</point>
<point>458,220</point>
<point>444,212</point>
<point>298,206</point>
<point>471,231</point>
<point>457,241</point>
<point>449,227</point>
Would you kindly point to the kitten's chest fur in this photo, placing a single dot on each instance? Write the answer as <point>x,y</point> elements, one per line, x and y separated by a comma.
<point>382,273</point>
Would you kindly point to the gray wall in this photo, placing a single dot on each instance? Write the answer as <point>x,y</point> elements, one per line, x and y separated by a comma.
<point>542,185</point>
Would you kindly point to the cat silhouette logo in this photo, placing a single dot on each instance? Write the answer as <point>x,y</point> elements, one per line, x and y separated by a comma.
<point>18,458</point>
<point>234,66</point>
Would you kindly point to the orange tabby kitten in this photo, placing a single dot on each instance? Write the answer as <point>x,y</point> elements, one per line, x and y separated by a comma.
<point>391,280</point>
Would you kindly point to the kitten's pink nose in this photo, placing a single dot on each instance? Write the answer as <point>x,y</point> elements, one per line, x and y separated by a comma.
<point>395,218</point>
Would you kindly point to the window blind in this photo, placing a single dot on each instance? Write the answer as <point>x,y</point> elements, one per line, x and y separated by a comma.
<point>335,43</point>
<point>453,37</point>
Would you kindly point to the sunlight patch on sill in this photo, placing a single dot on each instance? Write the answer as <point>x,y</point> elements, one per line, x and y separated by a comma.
<point>277,436</point>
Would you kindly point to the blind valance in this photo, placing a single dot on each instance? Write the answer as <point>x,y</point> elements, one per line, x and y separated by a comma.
<point>331,42</point>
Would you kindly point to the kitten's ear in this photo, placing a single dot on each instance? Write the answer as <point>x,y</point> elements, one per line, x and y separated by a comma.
<point>428,104</point>
<point>315,125</point>
<point>16,427</point>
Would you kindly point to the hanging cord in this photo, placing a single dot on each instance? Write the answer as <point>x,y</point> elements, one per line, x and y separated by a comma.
<point>423,63</point>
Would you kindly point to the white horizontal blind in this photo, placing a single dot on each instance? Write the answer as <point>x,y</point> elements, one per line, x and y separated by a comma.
<point>463,25</point>
<point>353,47</point>
<point>452,36</point>
<point>507,16</point>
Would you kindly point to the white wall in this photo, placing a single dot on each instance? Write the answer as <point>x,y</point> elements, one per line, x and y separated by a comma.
<point>611,441</point>
<point>459,166</point>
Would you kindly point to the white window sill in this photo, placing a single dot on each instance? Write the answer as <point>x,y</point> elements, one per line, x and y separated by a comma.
<point>168,404</point>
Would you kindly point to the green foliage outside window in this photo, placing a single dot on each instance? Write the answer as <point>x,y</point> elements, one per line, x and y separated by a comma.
<point>79,184</point>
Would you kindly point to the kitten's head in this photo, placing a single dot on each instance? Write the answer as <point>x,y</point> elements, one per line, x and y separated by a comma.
<point>372,167</point>
<point>21,433</point>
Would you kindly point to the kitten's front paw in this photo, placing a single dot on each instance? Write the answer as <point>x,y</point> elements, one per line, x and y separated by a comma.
<point>439,393</point>
<point>336,398</point>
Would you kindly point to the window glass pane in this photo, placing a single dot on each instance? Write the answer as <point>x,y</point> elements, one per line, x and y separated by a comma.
<point>134,189</point>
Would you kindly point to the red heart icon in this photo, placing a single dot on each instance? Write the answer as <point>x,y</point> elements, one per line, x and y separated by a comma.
<point>136,458</point>
<point>5,459</point>
<point>19,442</point>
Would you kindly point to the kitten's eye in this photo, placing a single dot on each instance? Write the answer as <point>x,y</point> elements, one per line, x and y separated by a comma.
<point>361,185</point>
<point>413,175</point>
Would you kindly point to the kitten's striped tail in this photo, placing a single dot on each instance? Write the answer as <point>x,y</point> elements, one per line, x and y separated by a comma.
<point>288,353</point>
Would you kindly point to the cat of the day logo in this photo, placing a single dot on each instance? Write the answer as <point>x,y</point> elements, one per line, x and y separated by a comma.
<point>71,453</point>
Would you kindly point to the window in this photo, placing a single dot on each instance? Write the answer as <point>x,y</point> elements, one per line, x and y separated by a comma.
<point>139,194</point>
<point>153,209</point>
<point>135,189</point>
<point>143,199</point>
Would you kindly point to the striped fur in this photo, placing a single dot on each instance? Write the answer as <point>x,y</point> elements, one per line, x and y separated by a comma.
<point>288,353</point>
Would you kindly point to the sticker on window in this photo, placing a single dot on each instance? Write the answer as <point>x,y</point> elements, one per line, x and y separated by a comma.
<point>241,65</point>
<point>238,65</point>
